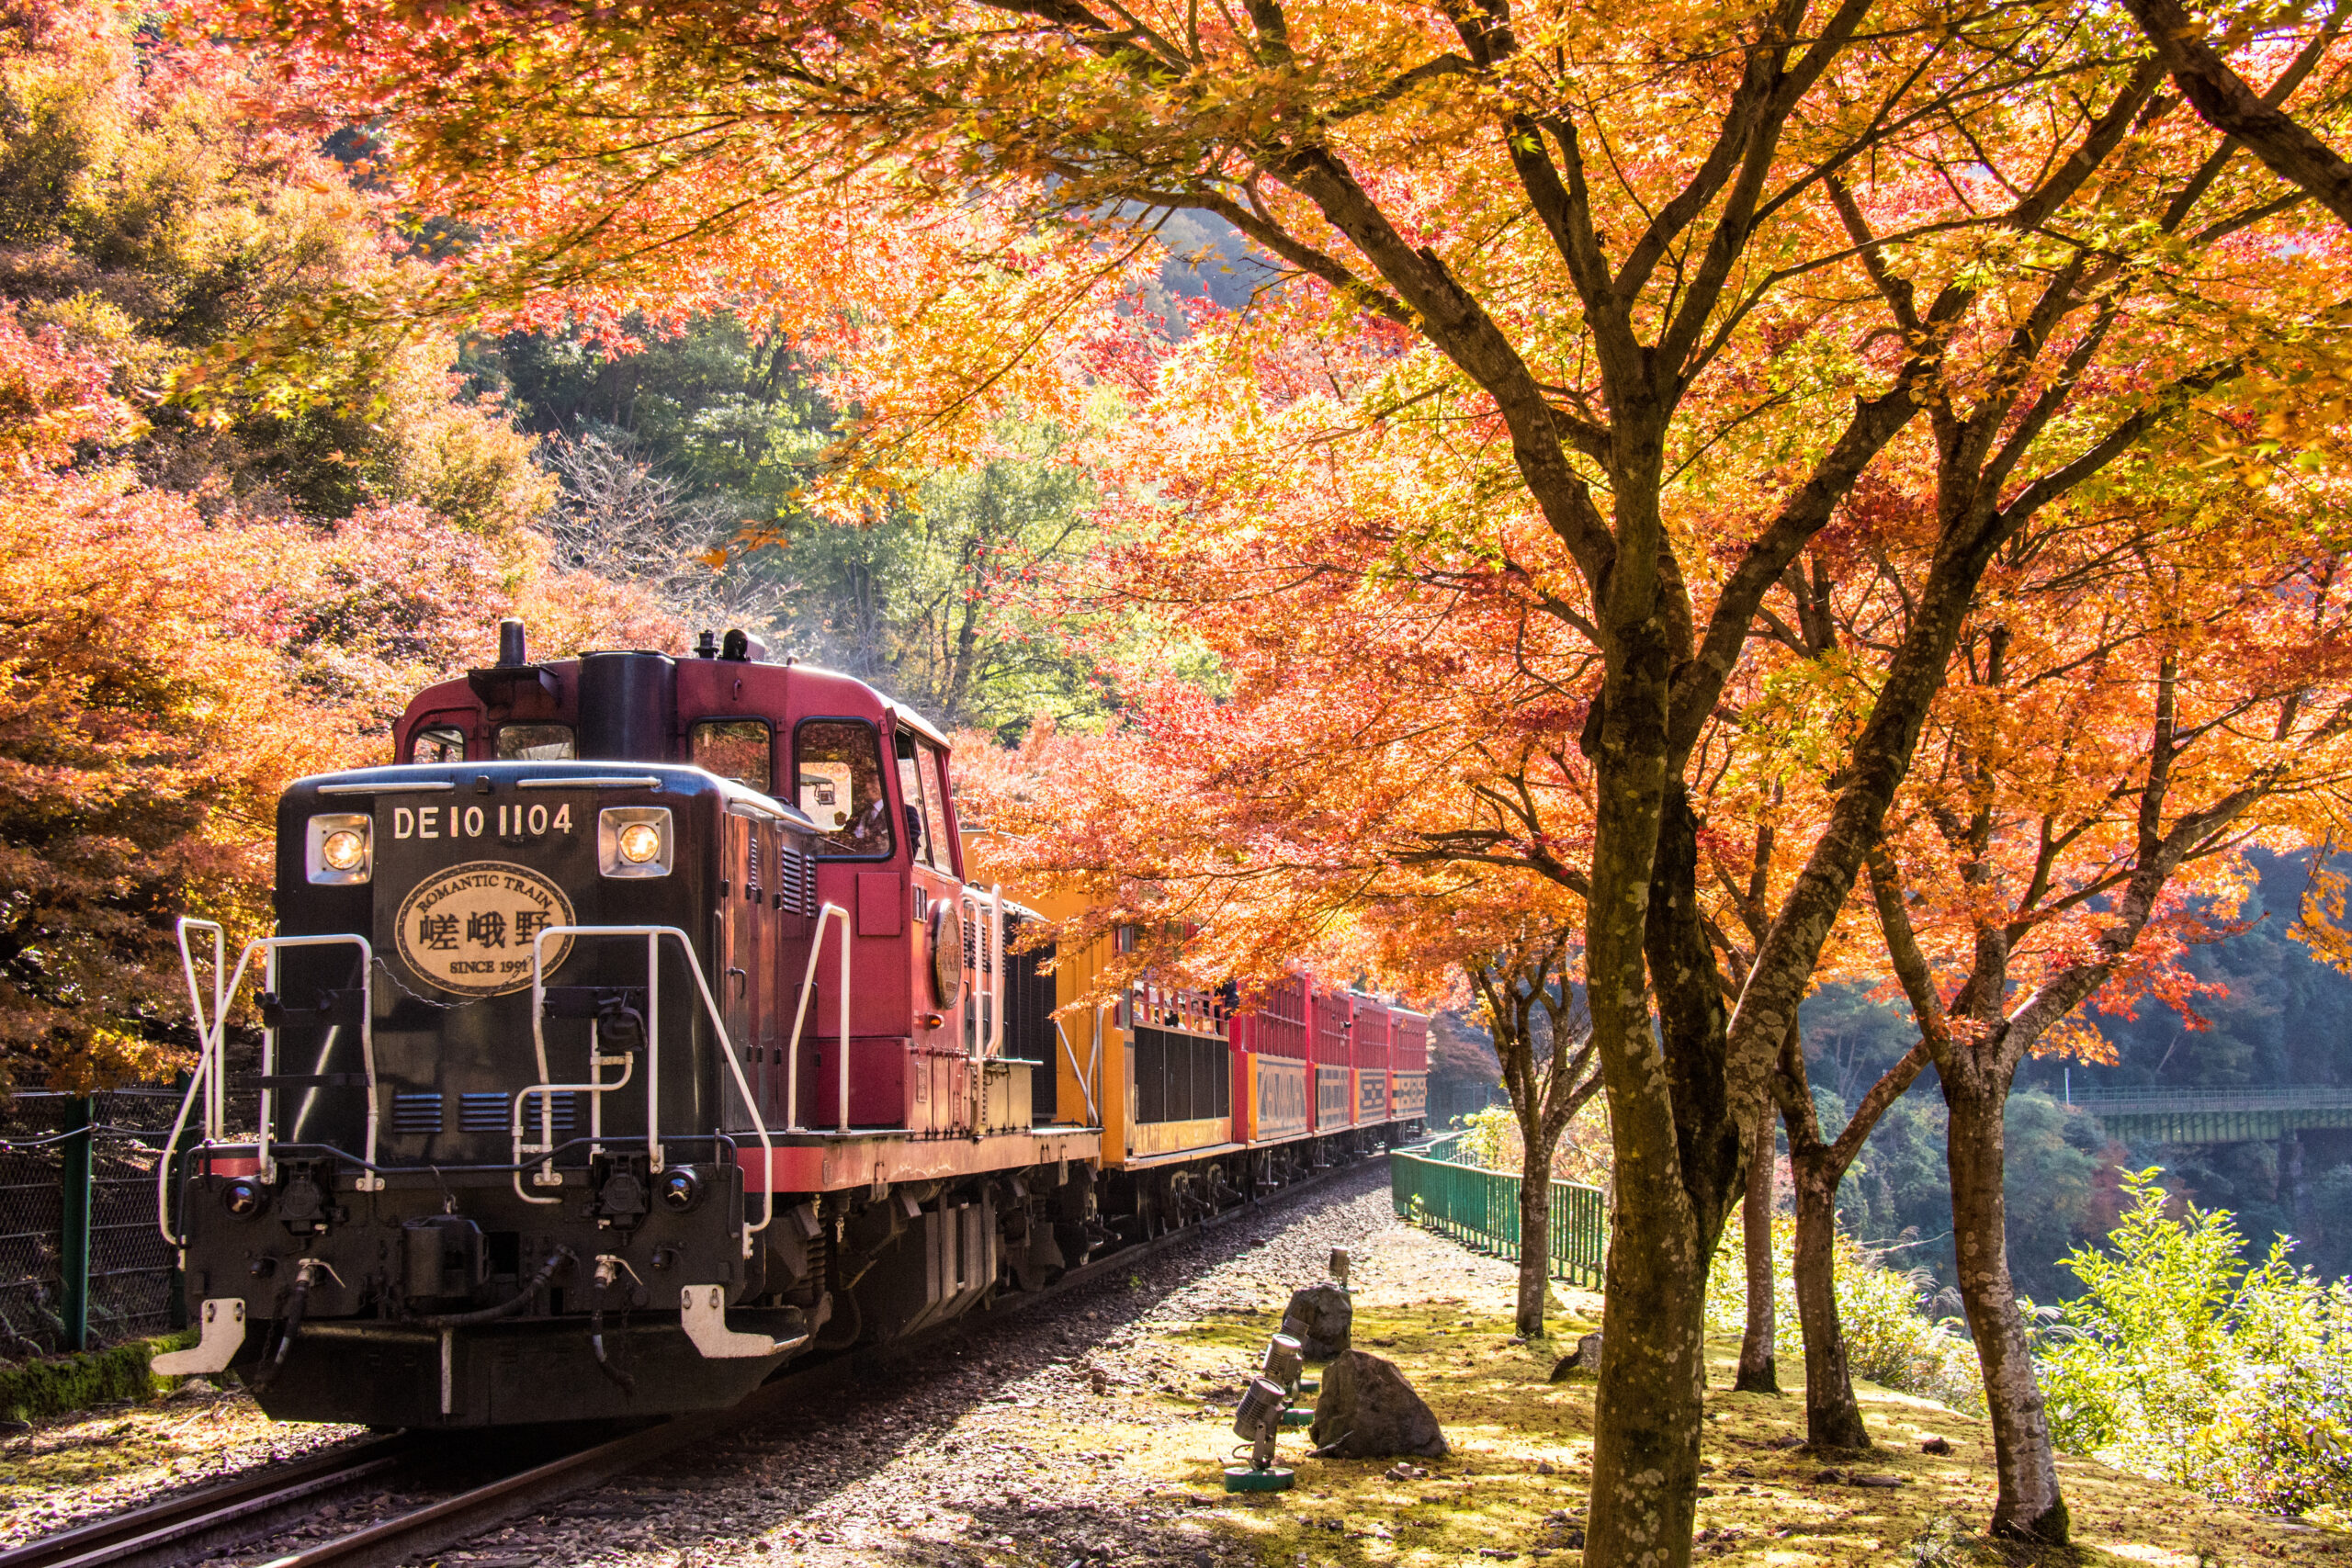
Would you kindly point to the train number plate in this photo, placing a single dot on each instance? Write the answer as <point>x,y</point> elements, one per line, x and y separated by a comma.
<point>470,928</point>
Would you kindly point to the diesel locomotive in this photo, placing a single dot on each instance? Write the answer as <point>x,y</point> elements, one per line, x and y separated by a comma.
<point>636,1029</point>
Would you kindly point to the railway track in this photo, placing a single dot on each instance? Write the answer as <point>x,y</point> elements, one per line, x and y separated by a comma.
<point>191,1528</point>
<point>185,1527</point>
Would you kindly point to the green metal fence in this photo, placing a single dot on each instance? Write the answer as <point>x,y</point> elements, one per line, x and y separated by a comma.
<point>1481,1207</point>
<point>83,1264</point>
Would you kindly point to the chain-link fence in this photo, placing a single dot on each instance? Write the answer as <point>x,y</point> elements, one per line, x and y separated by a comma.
<point>113,1280</point>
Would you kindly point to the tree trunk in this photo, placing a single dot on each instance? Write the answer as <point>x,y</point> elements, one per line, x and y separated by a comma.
<point>1535,1239</point>
<point>1832,1418</point>
<point>1758,1373</point>
<point>2028,1506</point>
<point>1677,1168</point>
<point>1648,1408</point>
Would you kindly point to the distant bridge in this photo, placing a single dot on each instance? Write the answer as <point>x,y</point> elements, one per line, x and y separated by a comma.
<point>2217,1115</point>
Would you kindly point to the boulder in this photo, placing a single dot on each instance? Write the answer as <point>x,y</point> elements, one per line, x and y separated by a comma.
<point>1319,1317</point>
<point>1584,1358</point>
<point>1367,1410</point>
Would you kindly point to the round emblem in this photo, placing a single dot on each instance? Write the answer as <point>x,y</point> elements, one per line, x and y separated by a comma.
<point>470,929</point>
<point>946,954</point>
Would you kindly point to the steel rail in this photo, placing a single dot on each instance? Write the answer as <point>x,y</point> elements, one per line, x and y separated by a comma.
<point>439,1525</point>
<point>187,1524</point>
<point>173,1532</point>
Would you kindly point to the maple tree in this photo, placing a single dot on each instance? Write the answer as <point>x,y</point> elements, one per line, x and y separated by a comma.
<point>1526,988</point>
<point>1759,1368</point>
<point>139,760</point>
<point>2150,687</point>
<point>1511,942</point>
<point>166,675</point>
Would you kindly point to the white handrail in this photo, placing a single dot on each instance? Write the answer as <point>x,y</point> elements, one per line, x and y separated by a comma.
<point>995,985</point>
<point>653,935</point>
<point>368,1180</point>
<point>800,1014</point>
<point>1085,1086</point>
<point>210,1067</point>
<point>986,909</point>
<point>202,1075</point>
<point>595,1088</point>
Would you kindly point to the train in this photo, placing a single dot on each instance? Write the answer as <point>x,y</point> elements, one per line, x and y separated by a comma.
<point>636,1029</point>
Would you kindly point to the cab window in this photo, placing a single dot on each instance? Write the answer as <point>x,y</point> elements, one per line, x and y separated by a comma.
<point>926,845</point>
<point>535,743</point>
<point>837,767</point>
<point>735,748</point>
<point>437,743</point>
<point>920,782</point>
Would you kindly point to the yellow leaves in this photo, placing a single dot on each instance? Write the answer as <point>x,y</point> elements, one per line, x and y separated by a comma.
<point>2074,1038</point>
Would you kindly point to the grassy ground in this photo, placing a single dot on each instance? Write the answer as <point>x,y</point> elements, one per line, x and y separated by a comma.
<point>1514,1485</point>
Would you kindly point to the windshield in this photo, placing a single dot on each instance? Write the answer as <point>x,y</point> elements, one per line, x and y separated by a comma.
<point>838,764</point>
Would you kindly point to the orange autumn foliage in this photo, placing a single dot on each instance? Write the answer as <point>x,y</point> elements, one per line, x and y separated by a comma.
<point>199,611</point>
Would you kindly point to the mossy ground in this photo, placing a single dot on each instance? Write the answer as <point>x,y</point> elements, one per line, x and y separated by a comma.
<point>66,1468</point>
<point>58,1385</point>
<point>1514,1485</point>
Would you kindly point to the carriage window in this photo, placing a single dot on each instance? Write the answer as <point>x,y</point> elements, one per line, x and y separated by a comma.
<point>437,743</point>
<point>838,764</point>
<point>735,748</point>
<point>535,743</point>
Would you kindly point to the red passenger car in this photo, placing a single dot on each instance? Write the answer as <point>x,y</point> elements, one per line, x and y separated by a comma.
<point>1332,1016</point>
<point>1409,1076</point>
<point>1270,1066</point>
<point>1368,1058</point>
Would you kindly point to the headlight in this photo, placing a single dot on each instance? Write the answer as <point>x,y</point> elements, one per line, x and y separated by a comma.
<point>634,841</point>
<point>680,1188</point>
<point>340,848</point>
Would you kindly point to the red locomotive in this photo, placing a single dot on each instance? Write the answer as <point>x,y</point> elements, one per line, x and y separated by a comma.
<point>638,1029</point>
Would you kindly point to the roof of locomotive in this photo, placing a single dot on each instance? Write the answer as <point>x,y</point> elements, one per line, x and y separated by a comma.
<point>814,690</point>
<point>668,777</point>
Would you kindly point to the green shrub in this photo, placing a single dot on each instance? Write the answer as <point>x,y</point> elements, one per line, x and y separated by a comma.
<point>1890,1338</point>
<point>2185,1364</point>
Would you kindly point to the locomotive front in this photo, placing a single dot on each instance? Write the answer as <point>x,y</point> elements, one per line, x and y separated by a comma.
<point>488,1168</point>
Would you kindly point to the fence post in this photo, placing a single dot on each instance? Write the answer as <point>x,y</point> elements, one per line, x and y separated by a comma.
<point>74,1223</point>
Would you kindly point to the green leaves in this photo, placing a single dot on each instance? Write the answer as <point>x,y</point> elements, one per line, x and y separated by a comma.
<point>2190,1365</point>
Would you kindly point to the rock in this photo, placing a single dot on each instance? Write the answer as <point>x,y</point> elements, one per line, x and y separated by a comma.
<point>1320,1318</point>
<point>1585,1357</point>
<point>1935,1446</point>
<point>1367,1410</point>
